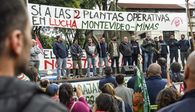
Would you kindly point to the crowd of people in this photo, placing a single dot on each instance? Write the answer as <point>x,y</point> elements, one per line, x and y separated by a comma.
<point>150,51</point>
<point>25,96</point>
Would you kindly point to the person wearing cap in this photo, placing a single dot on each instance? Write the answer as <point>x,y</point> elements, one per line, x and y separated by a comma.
<point>61,52</point>
<point>136,51</point>
<point>52,91</point>
<point>34,52</point>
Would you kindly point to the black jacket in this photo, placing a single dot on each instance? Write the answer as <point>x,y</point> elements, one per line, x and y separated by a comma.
<point>74,50</point>
<point>135,47</point>
<point>125,49</point>
<point>163,49</point>
<point>60,50</point>
<point>19,96</point>
<point>173,45</point>
<point>184,45</point>
<point>186,104</point>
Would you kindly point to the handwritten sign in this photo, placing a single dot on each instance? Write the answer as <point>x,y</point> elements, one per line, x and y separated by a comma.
<point>43,15</point>
<point>48,60</point>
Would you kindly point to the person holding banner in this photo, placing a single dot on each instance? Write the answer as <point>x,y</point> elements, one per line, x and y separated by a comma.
<point>61,52</point>
<point>34,52</point>
<point>76,53</point>
<point>91,52</point>
<point>126,50</point>
<point>114,54</point>
<point>102,50</point>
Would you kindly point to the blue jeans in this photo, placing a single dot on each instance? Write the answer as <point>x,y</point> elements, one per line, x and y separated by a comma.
<point>148,57</point>
<point>89,61</point>
<point>61,70</point>
<point>127,59</point>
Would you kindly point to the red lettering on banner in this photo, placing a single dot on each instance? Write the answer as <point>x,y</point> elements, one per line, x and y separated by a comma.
<point>63,23</point>
<point>46,63</point>
<point>85,62</point>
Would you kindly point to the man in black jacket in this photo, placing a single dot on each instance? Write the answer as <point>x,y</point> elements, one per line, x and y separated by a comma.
<point>173,48</point>
<point>126,50</point>
<point>15,44</point>
<point>136,51</point>
<point>187,102</point>
<point>163,48</point>
<point>76,53</point>
<point>184,46</point>
<point>156,49</point>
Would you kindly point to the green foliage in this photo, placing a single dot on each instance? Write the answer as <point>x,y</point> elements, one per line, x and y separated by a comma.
<point>47,42</point>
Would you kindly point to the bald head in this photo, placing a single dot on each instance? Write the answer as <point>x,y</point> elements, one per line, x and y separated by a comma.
<point>154,69</point>
<point>189,72</point>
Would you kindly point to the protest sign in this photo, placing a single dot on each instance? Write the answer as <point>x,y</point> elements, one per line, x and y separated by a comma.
<point>53,16</point>
<point>48,60</point>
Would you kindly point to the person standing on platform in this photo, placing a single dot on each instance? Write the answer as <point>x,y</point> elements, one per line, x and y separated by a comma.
<point>173,48</point>
<point>184,46</point>
<point>126,50</point>
<point>148,52</point>
<point>156,49</point>
<point>163,48</point>
<point>102,49</point>
<point>135,50</point>
<point>76,53</point>
<point>61,52</point>
<point>34,52</point>
<point>91,51</point>
<point>114,54</point>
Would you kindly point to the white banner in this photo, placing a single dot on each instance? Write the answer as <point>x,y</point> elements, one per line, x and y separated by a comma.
<point>48,60</point>
<point>52,16</point>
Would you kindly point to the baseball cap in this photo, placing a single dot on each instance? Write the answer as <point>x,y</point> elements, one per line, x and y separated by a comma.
<point>52,89</point>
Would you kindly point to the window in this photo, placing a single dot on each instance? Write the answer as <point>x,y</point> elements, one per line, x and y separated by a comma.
<point>167,34</point>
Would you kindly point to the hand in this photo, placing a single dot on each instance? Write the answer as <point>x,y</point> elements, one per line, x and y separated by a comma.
<point>93,55</point>
<point>77,54</point>
<point>79,91</point>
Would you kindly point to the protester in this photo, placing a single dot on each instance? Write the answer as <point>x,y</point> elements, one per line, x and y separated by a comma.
<point>52,91</point>
<point>126,50</point>
<point>122,106</point>
<point>187,102</point>
<point>173,48</point>
<point>108,78</point>
<point>154,82</point>
<point>175,72</point>
<point>15,44</point>
<point>105,103</point>
<point>148,52</point>
<point>166,97</point>
<point>44,83</point>
<point>125,93</point>
<point>76,53</point>
<point>184,46</point>
<point>34,52</point>
<point>163,64</point>
<point>114,54</point>
<point>135,50</point>
<point>91,51</point>
<point>66,93</point>
<point>163,48</point>
<point>61,52</point>
<point>102,49</point>
<point>157,49</point>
